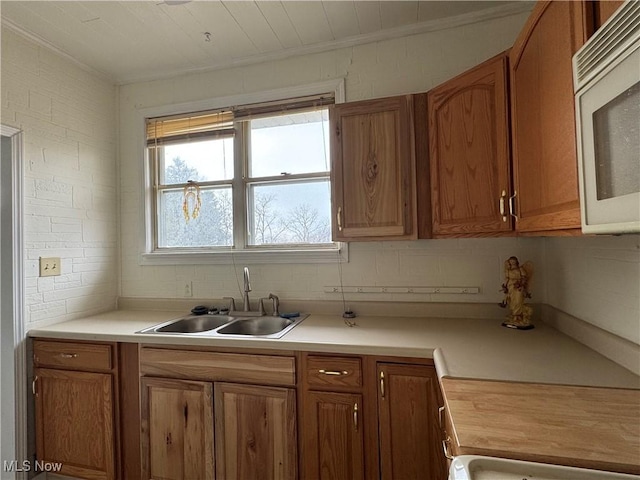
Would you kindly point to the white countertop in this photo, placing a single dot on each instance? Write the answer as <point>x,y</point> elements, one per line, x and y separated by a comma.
<point>464,348</point>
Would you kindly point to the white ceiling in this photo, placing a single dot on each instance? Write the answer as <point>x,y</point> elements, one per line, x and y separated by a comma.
<point>140,40</point>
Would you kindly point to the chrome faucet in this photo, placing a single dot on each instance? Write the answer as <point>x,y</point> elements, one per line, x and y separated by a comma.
<point>246,306</point>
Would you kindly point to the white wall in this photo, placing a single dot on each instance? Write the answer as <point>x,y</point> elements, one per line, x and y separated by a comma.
<point>68,116</point>
<point>597,279</point>
<point>405,65</point>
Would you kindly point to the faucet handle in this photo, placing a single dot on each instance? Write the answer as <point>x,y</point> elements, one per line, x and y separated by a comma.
<point>261,309</point>
<point>232,303</point>
<point>276,304</point>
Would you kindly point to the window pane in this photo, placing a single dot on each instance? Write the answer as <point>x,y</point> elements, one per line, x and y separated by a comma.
<point>295,143</point>
<point>203,161</point>
<point>212,227</point>
<point>290,213</point>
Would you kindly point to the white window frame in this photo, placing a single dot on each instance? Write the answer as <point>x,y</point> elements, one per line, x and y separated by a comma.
<point>221,255</point>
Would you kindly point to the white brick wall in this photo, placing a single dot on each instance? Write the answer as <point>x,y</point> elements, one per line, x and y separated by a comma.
<point>68,116</point>
<point>597,279</point>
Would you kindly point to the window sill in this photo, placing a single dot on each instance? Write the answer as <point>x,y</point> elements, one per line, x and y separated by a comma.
<point>252,257</point>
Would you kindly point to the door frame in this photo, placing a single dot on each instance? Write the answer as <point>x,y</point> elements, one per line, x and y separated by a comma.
<point>16,296</point>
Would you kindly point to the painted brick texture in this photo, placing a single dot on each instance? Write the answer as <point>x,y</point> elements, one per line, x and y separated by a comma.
<point>68,117</point>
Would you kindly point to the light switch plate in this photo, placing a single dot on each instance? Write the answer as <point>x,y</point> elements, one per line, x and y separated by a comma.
<point>49,266</point>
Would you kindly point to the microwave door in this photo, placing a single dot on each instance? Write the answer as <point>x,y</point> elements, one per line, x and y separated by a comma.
<point>609,116</point>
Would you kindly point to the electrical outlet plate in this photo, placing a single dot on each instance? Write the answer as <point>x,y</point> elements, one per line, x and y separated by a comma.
<point>50,266</point>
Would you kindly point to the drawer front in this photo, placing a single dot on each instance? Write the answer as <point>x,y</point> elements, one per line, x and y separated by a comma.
<point>78,356</point>
<point>328,371</point>
<point>215,366</point>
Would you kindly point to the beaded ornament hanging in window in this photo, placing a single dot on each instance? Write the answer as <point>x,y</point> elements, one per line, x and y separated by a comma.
<point>191,202</point>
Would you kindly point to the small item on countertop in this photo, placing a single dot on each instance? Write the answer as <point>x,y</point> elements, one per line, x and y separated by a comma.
<point>346,315</point>
<point>213,311</point>
<point>199,310</point>
<point>516,291</point>
<point>290,315</point>
<point>224,311</point>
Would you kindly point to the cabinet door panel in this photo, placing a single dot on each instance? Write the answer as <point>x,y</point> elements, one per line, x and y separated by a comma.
<point>373,164</point>
<point>543,117</point>
<point>334,436</point>
<point>469,151</point>
<point>74,422</point>
<point>177,429</point>
<point>255,432</point>
<point>410,437</point>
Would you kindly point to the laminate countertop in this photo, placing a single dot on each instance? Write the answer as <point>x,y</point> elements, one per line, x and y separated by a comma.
<point>478,348</point>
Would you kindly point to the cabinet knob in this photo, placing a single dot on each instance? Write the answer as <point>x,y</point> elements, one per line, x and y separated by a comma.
<point>34,386</point>
<point>382,384</point>
<point>339,218</point>
<point>69,355</point>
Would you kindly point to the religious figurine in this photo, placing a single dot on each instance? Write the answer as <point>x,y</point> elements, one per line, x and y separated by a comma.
<point>516,289</point>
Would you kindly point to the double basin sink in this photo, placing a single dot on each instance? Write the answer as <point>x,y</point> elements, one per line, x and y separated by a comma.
<point>226,325</point>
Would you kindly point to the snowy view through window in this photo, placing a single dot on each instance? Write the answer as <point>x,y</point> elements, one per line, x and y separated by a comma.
<point>287,188</point>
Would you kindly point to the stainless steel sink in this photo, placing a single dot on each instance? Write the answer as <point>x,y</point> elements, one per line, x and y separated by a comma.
<point>259,327</point>
<point>194,324</point>
<point>226,326</point>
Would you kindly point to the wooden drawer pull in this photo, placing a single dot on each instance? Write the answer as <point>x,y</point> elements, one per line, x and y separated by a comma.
<point>337,373</point>
<point>445,447</point>
<point>69,355</point>
<point>355,416</point>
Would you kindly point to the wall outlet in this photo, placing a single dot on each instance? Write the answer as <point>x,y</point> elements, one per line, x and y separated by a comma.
<point>188,289</point>
<point>50,266</point>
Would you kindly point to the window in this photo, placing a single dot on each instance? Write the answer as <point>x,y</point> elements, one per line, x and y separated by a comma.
<point>254,177</point>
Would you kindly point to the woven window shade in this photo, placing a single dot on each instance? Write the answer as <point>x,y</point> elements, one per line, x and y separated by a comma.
<point>161,131</point>
<point>293,105</point>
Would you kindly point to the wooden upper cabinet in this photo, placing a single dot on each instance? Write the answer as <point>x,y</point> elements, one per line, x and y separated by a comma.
<point>603,9</point>
<point>373,170</point>
<point>469,152</point>
<point>543,117</point>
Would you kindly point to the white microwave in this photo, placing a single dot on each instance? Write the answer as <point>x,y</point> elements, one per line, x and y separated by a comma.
<point>607,90</point>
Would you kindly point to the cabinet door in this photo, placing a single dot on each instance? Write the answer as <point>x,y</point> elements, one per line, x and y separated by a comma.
<point>333,436</point>
<point>410,436</point>
<point>373,170</point>
<point>177,429</point>
<point>543,117</point>
<point>604,9</point>
<point>469,151</point>
<point>75,422</point>
<point>255,432</point>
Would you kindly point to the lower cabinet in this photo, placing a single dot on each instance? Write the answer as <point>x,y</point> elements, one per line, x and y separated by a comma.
<point>410,435</point>
<point>201,422</point>
<point>75,409</point>
<point>177,429</point>
<point>334,436</point>
<point>255,432</point>
<point>370,417</point>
